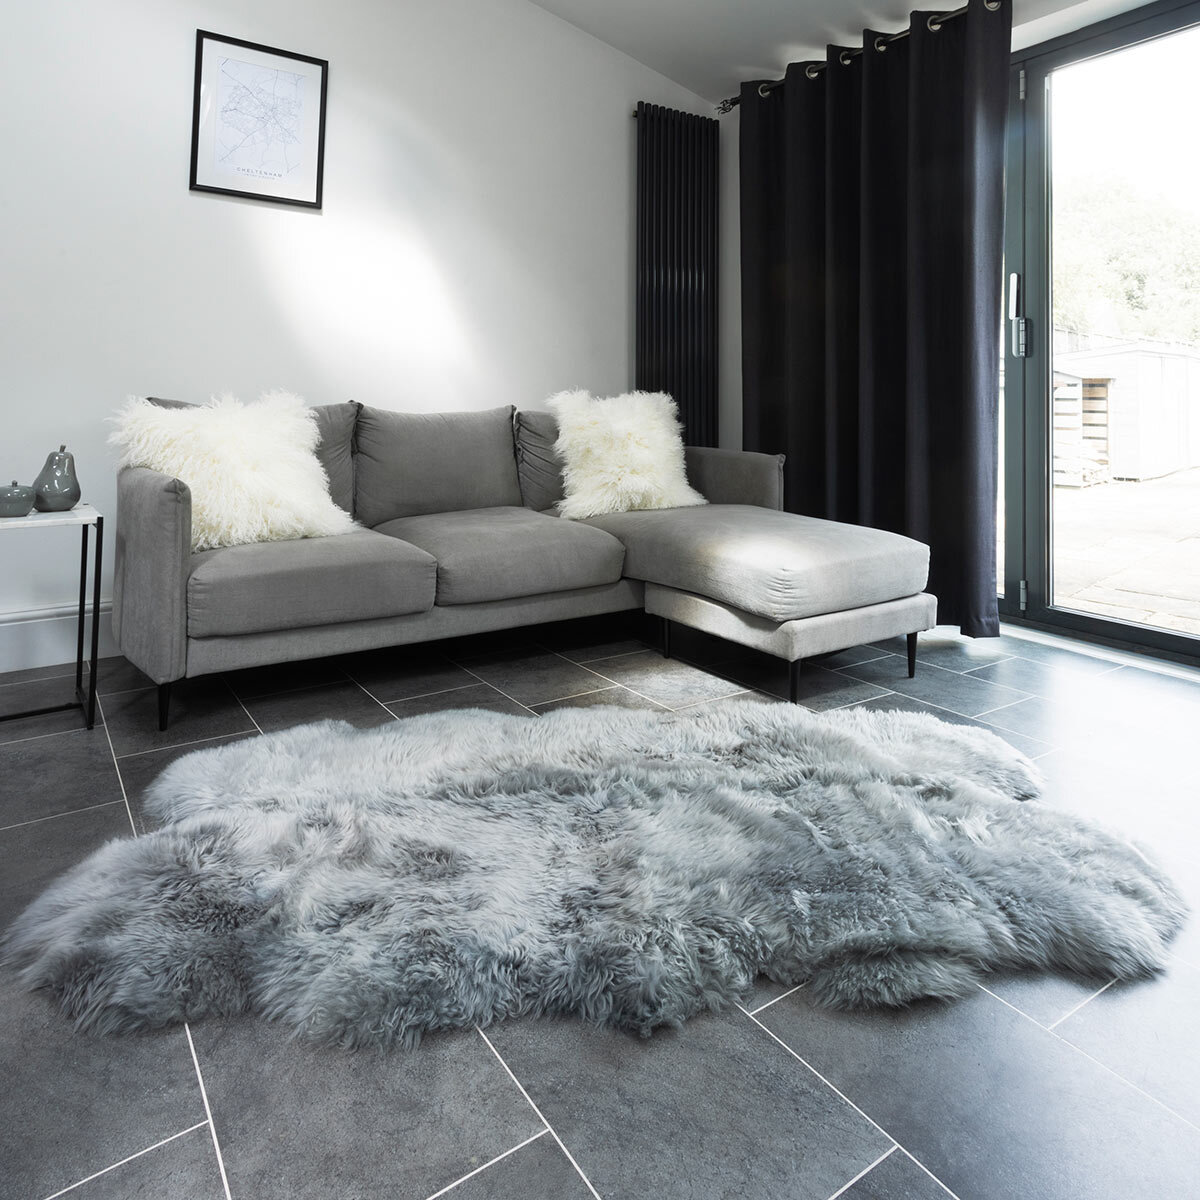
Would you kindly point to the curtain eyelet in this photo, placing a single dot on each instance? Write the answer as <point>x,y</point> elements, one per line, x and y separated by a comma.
<point>845,58</point>
<point>881,44</point>
<point>992,5</point>
<point>812,71</point>
<point>763,90</point>
<point>934,24</point>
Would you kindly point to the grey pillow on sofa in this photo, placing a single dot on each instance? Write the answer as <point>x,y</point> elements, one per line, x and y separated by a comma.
<point>413,463</point>
<point>334,451</point>
<point>538,466</point>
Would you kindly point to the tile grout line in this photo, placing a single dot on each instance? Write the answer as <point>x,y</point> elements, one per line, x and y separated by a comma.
<point>117,767</point>
<point>148,687</point>
<point>41,679</point>
<point>790,992</point>
<point>460,687</point>
<point>771,1034</point>
<point>501,690</point>
<point>216,737</point>
<point>865,1171</point>
<point>364,691</point>
<point>575,695</point>
<point>869,700</point>
<point>1104,1066</point>
<point>716,699</point>
<point>129,1159</point>
<point>916,1162</point>
<point>74,812</point>
<point>1191,964</point>
<point>287,691</point>
<point>38,737</point>
<point>618,683</point>
<point>861,662</point>
<point>1095,652</point>
<point>987,712</point>
<point>212,1128</point>
<point>583,662</point>
<point>242,705</point>
<point>978,717</point>
<point>1086,1000</point>
<point>541,1116</point>
<point>842,1095</point>
<point>490,1163</point>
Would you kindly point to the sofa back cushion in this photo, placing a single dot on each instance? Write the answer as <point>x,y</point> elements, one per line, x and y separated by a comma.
<point>335,450</point>
<point>335,423</point>
<point>539,468</point>
<point>412,463</point>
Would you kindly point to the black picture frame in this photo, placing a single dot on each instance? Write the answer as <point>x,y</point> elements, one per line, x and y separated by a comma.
<point>258,121</point>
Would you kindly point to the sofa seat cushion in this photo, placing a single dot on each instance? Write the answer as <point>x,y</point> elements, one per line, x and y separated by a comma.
<point>270,586</point>
<point>773,564</point>
<point>501,553</point>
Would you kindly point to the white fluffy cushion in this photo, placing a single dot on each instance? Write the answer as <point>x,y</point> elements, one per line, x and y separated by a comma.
<point>251,468</point>
<point>621,453</point>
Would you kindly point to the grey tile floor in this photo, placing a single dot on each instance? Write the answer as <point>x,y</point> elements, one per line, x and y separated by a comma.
<point>1034,1088</point>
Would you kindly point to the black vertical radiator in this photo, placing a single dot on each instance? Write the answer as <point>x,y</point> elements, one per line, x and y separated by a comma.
<point>676,343</point>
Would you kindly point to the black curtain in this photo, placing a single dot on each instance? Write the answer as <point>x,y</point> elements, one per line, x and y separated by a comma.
<point>872,214</point>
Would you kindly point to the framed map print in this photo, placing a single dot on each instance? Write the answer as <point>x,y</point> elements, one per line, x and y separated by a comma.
<point>258,121</point>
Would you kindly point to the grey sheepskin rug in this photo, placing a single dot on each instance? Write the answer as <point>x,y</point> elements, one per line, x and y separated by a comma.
<point>631,868</point>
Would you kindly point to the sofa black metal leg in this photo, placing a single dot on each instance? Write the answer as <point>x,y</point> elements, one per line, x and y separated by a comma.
<point>794,681</point>
<point>666,637</point>
<point>912,655</point>
<point>164,704</point>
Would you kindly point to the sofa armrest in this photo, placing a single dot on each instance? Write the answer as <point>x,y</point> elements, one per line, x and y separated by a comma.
<point>154,549</point>
<point>735,476</point>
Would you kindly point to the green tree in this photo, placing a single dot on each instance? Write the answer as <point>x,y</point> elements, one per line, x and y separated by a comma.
<point>1125,262</point>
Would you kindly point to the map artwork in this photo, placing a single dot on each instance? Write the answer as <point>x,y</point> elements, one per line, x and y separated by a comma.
<point>259,127</point>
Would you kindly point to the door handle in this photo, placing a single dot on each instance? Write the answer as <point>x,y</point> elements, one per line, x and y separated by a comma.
<point>1018,324</point>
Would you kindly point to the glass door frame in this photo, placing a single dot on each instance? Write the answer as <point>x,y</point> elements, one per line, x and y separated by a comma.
<point>1028,410</point>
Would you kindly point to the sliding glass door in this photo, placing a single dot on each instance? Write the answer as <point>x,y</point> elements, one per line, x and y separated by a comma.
<point>1101,497</point>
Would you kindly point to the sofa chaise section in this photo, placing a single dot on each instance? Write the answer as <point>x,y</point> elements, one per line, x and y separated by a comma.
<point>776,564</point>
<point>789,585</point>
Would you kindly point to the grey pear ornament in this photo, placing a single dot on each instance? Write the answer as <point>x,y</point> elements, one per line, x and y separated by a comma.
<point>56,489</point>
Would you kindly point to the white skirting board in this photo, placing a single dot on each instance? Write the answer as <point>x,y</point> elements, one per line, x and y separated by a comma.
<point>47,636</point>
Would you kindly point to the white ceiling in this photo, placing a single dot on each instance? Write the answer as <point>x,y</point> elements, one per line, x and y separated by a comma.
<point>710,46</point>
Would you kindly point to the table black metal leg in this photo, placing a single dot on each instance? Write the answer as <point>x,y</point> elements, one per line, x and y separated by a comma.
<point>83,566</point>
<point>86,702</point>
<point>91,704</point>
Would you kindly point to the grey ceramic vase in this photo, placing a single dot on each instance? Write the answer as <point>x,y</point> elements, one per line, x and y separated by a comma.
<point>56,489</point>
<point>16,501</point>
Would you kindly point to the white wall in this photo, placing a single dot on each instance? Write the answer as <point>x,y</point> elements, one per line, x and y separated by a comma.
<point>475,246</point>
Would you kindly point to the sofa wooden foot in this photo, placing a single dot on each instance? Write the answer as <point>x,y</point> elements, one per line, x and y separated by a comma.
<point>666,637</point>
<point>164,704</point>
<point>794,681</point>
<point>912,655</point>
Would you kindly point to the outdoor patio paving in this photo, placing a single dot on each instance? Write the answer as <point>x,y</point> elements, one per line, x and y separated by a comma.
<point>1131,551</point>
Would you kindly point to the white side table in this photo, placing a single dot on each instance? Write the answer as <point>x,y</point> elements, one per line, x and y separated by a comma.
<point>83,515</point>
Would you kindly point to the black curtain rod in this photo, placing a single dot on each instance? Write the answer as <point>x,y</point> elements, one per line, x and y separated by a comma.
<point>934,22</point>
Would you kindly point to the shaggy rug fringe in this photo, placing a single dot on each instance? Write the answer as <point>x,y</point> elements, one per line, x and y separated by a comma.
<point>630,868</point>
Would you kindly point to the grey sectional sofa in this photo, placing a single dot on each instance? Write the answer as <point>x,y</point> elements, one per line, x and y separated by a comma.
<point>459,536</point>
